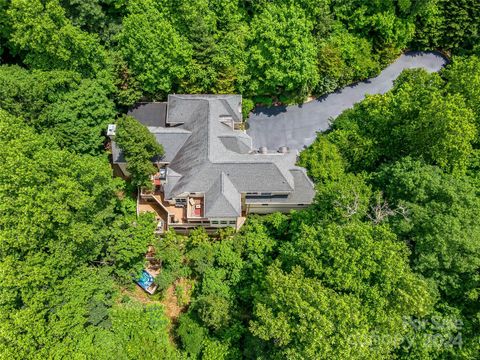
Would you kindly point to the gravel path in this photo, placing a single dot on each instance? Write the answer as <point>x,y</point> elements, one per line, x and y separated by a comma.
<point>296,126</point>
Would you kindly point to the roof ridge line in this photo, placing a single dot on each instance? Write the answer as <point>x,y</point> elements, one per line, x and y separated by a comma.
<point>230,109</point>
<point>222,174</point>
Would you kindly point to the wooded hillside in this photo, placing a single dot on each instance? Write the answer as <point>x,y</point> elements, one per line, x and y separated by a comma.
<point>385,264</point>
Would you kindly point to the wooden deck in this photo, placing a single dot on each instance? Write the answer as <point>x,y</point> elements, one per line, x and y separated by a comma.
<point>195,207</point>
<point>155,202</point>
<point>177,214</point>
<point>152,207</point>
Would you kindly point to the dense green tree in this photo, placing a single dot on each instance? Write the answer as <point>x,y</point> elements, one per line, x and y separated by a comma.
<point>170,251</point>
<point>461,25</point>
<point>441,227</point>
<point>78,119</point>
<point>217,266</point>
<point>46,39</point>
<point>140,332</point>
<point>74,111</point>
<point>282,51</point>
<point>55,208</point>
<point>448,24</point>
<point>411,119</point>
<point>4,25</point>
<point>441,223</point>
<point>344,58</point>
<point>463,77</point>
<point>192,335</point>
<point>385,260</point>
<point>387,24</point>
<point>26,94</point>
<point>140,148</point>
<point>102,17</point>
<point>340,289</point>
<point>156,53</point>
<point>444,133</point>
<point>216,32</point>
<point>127,243</point>
<point>85,14</point>
<point>428,26</point>
<point>426,198</point>
<point>323,161</point>
<point>66,199</point>
<point>53,320</point>
<point>57,212</point>
<point>216,350</point>
<point>342,200</point>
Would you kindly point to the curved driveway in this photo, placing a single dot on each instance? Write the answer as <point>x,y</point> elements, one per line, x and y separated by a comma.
<point>296,126</point>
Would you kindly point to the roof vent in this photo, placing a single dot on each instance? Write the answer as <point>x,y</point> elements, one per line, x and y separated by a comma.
<point>111,130</point>
<point>283,150</point>
<point>263,150</point>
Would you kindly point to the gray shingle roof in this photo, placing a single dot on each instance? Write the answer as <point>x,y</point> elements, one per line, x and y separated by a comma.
<point>303,194</point>
<point>150,114</point>
<point>172,140</point>
<point>237,144</point>
<point>206,155</point>
<point>222,199</point>
<point>178,113</point>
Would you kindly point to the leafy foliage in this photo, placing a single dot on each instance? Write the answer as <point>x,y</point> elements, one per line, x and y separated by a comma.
<point>74,112</point>
<point>283,63</point>
<point>155,51</point>
<point>57,208</point>
<point>384,261</point>
<point>408,160</point>
<point>422,121</point>
<point>441,223</point>
<point>26,93</point>
<point>129,237</point>
<point>140,147</point>
<point>79,118</point>
<point>50,41</point>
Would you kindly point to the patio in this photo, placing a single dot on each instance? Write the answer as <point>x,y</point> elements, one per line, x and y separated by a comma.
<point>195,207</point>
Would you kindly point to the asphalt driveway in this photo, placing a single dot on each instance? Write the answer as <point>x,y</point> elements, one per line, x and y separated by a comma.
<point>296,126</point>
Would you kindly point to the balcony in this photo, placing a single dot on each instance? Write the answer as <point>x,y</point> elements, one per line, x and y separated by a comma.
<point>195,207</point>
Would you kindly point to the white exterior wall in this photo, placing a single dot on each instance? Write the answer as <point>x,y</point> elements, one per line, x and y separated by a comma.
<point>271,208</point>
<point>223,222</point>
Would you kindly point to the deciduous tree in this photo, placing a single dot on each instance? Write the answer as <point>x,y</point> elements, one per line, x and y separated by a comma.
<point>282,51</point>
<point>140,148</point>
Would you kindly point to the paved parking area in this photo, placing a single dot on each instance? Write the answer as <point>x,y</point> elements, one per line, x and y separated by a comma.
<point>296,126</point>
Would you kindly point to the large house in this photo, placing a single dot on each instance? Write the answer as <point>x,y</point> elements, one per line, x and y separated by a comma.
<point>210,175</point>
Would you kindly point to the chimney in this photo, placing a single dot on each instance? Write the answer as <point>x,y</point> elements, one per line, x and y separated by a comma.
<point>111,130</point>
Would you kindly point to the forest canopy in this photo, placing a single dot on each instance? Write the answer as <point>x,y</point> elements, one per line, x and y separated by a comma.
<point>287,48</point>
<point>384,264</point>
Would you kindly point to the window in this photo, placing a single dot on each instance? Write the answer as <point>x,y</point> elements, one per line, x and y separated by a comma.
<point>232,222</point>
<point>223,222</point>
<point>180,202</point>
<point>214,222</point>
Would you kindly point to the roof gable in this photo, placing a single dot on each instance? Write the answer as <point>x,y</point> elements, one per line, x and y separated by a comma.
<point>222,199</point>
<point>207,155</point>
